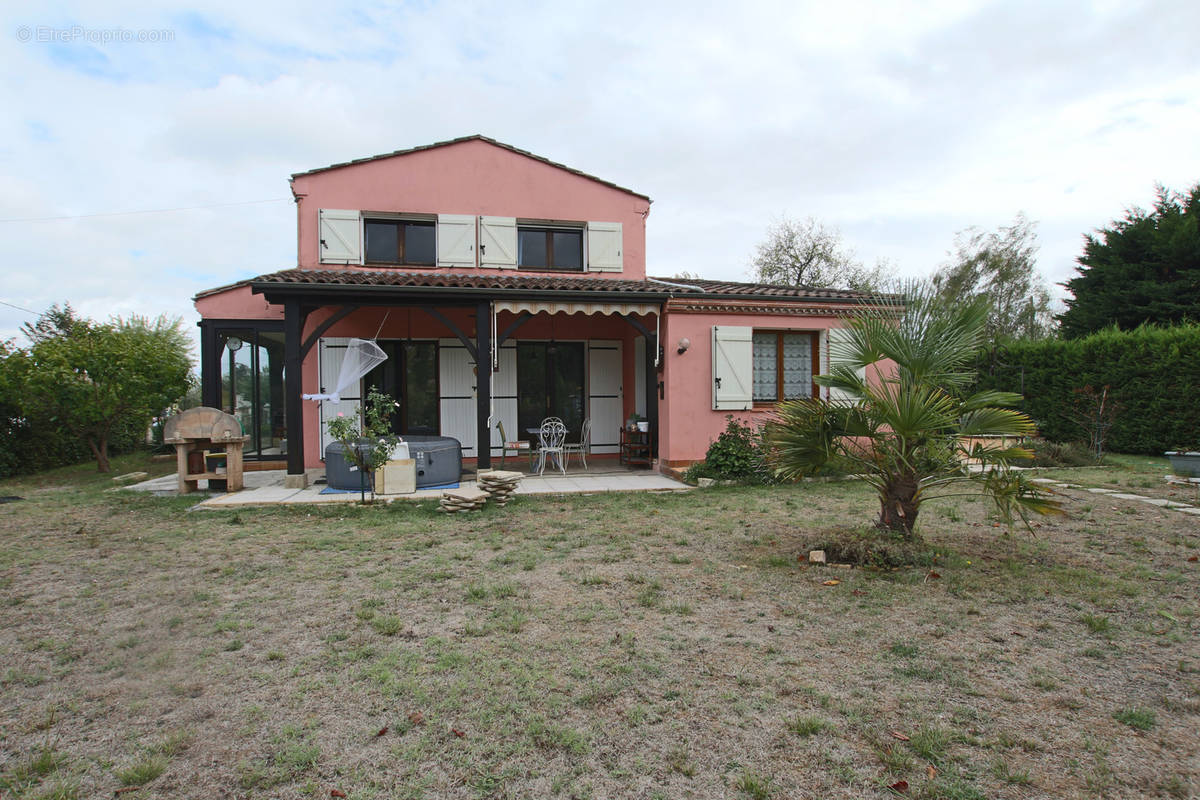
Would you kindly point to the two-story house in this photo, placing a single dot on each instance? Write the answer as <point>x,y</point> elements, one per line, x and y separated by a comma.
<point>503,287</point>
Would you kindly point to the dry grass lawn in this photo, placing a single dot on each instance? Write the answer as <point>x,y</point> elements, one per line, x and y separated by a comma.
<point>644,646</point>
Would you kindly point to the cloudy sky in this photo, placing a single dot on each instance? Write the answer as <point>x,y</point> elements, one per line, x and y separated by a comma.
<point>899,124</point>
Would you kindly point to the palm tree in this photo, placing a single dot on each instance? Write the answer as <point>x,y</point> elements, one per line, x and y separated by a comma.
<point>906,428</point>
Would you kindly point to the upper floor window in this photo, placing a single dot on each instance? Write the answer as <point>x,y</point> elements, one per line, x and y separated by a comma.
<point>550,248</point>
<point>464,241</point>
<point>398,241</point>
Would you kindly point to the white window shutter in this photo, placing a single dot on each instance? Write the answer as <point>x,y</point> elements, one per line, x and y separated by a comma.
<point>733,368</point>
<point>341,236</point>
<point>838,341</point>
<point>498,242</point>
<point>456,240</point>
<point>604,246</point>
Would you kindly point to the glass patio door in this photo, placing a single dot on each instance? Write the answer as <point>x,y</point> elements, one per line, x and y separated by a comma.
<point>550,383</point>
<point>252,389</point>
<point>410,376</point>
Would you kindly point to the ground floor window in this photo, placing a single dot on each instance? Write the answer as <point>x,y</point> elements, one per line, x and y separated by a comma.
<point>410,375</point>
<point>783,365</point>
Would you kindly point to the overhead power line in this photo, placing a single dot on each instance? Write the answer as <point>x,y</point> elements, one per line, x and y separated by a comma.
<point>144,211</point>
<point>18,308</point>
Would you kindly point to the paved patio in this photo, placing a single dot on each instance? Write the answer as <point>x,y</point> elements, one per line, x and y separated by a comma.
<point>266,487</point>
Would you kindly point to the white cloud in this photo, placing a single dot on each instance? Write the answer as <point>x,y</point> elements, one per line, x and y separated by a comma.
<point>899,123</point>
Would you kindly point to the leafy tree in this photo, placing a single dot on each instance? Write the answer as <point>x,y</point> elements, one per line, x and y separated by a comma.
<point>1144,268</point>
<point>806,253</point>
<point>96,379</point>
<point>907,430</point>
<point>1001,266</point>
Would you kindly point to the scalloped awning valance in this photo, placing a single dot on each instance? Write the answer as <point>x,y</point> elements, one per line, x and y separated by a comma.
<point>557,307</point>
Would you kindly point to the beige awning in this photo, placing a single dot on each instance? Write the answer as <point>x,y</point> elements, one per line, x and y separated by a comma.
<point>557,307</point>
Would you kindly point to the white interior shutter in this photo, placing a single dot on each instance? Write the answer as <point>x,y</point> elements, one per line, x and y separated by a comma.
<point>605,401</point>
<point>341,236</point>
<point>733,368</point>
<point>838,340</point>
<point>330,355</point>
<point>456,240</point>
<point>604,247</point>
<point>498,242</point>
<point>504,398</point>
<point>457,400</point>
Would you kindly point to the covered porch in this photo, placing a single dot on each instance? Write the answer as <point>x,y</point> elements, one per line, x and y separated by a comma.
<point>574,348</point>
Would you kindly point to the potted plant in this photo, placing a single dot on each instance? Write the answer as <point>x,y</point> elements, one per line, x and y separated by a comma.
<point>370,449</point>
<point>1184,462</point>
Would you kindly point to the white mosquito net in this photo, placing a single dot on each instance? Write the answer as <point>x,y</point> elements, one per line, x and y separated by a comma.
<point>362,356</point>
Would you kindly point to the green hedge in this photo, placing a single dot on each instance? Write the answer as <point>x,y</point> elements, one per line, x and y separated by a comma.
<point>1153,375</point>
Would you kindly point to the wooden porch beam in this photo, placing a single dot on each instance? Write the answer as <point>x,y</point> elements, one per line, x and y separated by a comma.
<point>293,359</point>
<point>483,387</point>
<point>315,336</point>
<point>521,319</point>
<point>480,323</point>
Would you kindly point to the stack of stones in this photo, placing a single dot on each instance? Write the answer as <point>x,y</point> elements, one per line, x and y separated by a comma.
<point>500,484</point>
<point>456,500</point>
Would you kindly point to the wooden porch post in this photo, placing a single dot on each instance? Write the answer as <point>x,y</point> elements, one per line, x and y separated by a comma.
<point>483,385</point>
<point>210,365</point>
<point>652,390</point>
<point>293,328</point>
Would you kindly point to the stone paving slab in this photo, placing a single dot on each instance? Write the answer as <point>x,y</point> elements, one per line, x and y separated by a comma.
<point>266,488</point>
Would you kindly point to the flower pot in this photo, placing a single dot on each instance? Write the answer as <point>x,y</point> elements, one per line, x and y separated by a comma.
<point>1184,462</point>
<point>644,427</point>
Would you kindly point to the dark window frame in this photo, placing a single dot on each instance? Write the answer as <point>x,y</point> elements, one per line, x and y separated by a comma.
<point>814,364</point>
<point>549,231</point>
<point>401,226</point>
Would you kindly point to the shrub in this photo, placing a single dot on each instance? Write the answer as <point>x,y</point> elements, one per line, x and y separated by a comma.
<point>1153,374</point>
<point>738,454</point>
<point>1061,454</point>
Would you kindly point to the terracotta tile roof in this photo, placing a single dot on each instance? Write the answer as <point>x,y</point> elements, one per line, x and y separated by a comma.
<point>457,280</point>
<point>474,137</point>
<point>535,282</point>
<point>764,290</point>
<point>650,288</point>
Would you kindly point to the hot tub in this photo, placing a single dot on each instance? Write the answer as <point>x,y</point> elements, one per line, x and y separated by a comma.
<point>439,459</point>
<point>438,462</point>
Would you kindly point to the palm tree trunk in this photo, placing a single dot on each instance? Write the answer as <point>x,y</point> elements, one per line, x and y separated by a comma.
<point>898,506</point>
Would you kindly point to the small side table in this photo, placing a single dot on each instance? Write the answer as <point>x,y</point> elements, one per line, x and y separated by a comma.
<point>635,448</point>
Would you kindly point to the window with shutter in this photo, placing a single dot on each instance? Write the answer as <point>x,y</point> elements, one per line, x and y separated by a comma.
<point>341,236</point>
<point>498,242</point>
<point>456,240</point>
<point>604,246</point>
<point>783,365</point>
<point>733,368</point>
<point>552,248</point>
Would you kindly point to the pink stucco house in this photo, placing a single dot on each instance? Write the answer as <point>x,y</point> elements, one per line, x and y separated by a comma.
<point>504,288</point>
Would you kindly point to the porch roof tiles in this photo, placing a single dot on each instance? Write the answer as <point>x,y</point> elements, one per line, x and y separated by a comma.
<point>530,283</point>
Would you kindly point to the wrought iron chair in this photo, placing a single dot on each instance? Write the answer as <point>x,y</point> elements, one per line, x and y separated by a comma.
<point>551,436</point>
<point>517,447</point>
<point>582,446</point>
